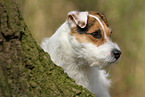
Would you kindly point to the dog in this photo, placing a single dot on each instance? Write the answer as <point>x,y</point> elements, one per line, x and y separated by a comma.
<point>82,46</point>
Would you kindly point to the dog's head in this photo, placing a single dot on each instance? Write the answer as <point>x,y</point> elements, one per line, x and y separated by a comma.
<point>90,38</point>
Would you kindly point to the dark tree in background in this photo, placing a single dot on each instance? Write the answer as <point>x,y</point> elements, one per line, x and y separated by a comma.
<point>25,69</point>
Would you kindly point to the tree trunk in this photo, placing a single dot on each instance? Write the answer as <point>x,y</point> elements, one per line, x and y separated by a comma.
<point>25,69</point>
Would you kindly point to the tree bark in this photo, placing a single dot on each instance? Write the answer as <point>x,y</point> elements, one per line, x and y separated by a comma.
<point>25,69</point>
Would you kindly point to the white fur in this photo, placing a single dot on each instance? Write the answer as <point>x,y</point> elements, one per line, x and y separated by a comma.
<point>81,61</point>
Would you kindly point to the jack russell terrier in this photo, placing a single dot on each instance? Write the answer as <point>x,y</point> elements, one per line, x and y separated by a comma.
<point>82,46</point>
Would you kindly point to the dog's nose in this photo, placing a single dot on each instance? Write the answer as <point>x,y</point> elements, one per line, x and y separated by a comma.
<point>116,53</point>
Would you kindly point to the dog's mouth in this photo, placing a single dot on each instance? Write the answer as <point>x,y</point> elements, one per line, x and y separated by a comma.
<point>109,63</point>
<point>115,61</point>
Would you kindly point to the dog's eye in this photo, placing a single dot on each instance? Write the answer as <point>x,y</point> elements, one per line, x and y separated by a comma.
<point>97,34</point>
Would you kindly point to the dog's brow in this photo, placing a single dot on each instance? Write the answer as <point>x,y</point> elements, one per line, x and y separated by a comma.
<point>100,24</point>
<point>103,18</point>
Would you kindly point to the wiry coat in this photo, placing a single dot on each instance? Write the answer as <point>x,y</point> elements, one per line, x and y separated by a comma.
<point>82,60</point>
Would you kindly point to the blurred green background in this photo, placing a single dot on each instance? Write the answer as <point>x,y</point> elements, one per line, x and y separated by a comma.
<point>127,20</point>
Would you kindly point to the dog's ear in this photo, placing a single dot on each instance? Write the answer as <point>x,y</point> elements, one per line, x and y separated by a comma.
<point>78,18</point>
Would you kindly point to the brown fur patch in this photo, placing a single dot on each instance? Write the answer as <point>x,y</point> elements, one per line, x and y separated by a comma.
<point>100,15</point>
<point>84,35</point>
